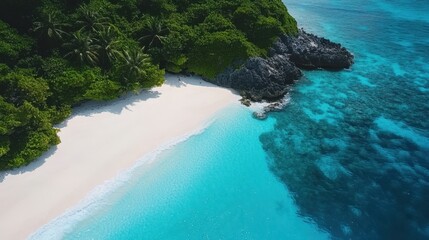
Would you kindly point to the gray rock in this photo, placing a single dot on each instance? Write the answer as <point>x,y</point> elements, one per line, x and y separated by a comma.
<point>261,78</point>
<point>246,102</point>
<point>275,106</point>
<point>272,107</point>
<point>260,115</point>
<point>270,78</point>
<point>308,51</point>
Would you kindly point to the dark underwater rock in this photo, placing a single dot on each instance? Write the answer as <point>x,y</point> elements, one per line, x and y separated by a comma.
<point>260,115</point>
<point>269,78</point>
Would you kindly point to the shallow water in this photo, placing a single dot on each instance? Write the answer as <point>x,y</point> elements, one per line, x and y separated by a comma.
<point>216,185</point>
<point>346,159</point>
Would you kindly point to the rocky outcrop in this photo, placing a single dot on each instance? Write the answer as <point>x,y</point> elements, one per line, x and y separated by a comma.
<point>278,106</point>
<point>269,78</point>
<point>308,51</point>
<point>261,78</point>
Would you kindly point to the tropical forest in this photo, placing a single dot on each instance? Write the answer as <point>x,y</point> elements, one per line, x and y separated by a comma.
<point>57,54</point>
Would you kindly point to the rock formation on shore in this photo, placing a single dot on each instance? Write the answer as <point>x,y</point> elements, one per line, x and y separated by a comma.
<point>270,78</point>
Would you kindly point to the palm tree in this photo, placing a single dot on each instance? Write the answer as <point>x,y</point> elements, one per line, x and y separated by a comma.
<point>154,33</point>
<point>89,20</point>
<point>83,49</point>
<point>49,28</point>
<point>133,65</point>
<point>107,40</point>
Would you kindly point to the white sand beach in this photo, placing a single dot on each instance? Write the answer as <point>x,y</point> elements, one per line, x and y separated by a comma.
<point>98,142</point>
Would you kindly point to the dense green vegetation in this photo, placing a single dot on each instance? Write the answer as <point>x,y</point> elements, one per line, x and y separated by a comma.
<point>55,54</point>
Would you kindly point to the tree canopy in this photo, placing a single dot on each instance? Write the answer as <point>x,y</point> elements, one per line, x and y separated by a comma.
<point>55,54</point>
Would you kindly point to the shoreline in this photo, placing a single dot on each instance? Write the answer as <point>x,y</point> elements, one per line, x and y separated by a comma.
<point>99,143</point>
<point>95,199</point>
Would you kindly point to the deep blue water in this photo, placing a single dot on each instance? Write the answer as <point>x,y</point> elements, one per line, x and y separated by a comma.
<point>348,158</point>
<point>352,147</point>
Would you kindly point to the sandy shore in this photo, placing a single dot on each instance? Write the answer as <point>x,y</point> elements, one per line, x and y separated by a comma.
<point>100,141</point>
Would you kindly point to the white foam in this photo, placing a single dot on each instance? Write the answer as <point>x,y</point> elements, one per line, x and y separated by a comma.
<point>61,225</point>
<point>260,106</point>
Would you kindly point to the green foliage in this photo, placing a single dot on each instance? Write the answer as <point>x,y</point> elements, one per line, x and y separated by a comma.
<point>266,30</point>
<point>8,118</point>
<point>100,87</point>
<point>19,86</point>
<point>82,49</point>
<point>100,7</point>
<point>154,33</point>
<point>133,63</point>
<point>53,67</point>
<point>93,50</point>
<point>127,8</point>
<point>58,114</point>
<point>68,88</point>
<point>4,69</point>
<point>136,71</point>
<point>152,76</point>
<point>263,22</point>
<point>49,27</point>
<point>25,133</point>
<point>90,20</point>
<point>30,140</point>
<point>215,23</point>
<point>31,63</point>
<point>214,52</point>
<point>4,146</point>
<point>245,16</point>
<point>157,7</point>
<point>103,90</point>
<point>176,63</point>
<point>107,41</point>
<point>202,27</point>
<point>36,142</point>
<point>12,45</point>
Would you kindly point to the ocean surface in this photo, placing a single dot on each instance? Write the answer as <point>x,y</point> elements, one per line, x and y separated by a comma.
<point>348,158</point>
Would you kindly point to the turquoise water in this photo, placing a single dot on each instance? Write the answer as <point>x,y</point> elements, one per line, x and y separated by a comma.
<point>216,185</point>
<point>346,159</point>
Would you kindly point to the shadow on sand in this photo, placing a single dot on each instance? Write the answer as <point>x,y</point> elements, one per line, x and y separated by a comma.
<point>30,167</point>
<point>87,109</point>
<point>182,81</point>
<point>114,106</point>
